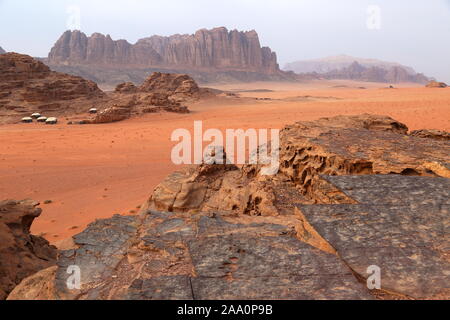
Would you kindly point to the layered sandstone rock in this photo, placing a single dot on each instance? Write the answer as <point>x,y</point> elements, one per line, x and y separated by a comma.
<point>207,55</point>
<point>28,85</point>
<point>21,253</point>
<point>212,49</point>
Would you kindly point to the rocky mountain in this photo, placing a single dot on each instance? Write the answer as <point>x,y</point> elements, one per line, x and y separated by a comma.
<point>359,72</point>
<point>324,65</point>
<point>346,67</point>
<point>2,51</point>
<point>206,55</point>
<point>311,231</point>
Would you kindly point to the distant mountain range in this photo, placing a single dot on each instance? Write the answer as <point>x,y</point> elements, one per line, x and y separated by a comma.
<point>2,51</point>
<point>207,55</point>
<point>332,63</point>
<point>352,68</point>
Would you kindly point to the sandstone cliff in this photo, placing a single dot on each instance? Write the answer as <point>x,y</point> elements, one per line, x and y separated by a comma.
<point>206,55</point>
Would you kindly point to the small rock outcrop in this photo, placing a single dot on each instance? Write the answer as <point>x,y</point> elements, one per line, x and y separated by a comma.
<point>176,86</point>
<point>126,87</point>
<point>435,84</point>
<point>21,253</point>
<point>431,134</point>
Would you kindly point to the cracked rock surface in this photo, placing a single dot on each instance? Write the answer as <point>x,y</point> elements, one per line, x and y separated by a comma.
<point>400,224</point>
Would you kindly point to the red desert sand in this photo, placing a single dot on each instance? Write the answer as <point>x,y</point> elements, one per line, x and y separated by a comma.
<point>91,172</point>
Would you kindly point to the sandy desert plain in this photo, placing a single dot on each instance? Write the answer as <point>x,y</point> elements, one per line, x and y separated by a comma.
<point>91,172</point>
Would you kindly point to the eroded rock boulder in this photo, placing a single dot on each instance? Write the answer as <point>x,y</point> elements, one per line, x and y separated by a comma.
<point>21,253</point>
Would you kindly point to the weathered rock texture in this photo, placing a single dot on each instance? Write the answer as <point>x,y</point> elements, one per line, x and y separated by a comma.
<point>27,86</point>
<point>351,192</point>
<point>332,146</point>
<point>431,134</point>
<point>400,224</point>
<point>435,84</point>
<point>21,254</point>
<point>181,256</point>
<point>207,54</point>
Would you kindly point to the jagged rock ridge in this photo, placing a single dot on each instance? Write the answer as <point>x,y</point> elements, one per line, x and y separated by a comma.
<point>202,55</point>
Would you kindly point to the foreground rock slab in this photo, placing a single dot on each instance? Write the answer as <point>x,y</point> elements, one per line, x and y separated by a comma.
<point>167,256</point>
<point>400,224</point>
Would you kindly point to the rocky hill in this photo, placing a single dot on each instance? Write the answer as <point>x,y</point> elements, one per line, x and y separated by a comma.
<point>359,69</point>
<point>207,55</point>
<point>351,193</point>
<point>28,86</point>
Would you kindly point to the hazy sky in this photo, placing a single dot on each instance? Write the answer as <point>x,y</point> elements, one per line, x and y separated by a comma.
<point>412,32</point>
